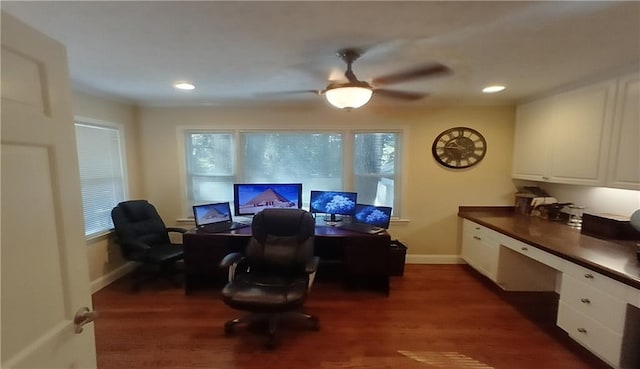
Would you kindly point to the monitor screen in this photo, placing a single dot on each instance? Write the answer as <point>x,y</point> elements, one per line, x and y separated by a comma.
<point>378,216</point>
<point>250,198</point>
<point>211,213</point>
<point>333,202</point>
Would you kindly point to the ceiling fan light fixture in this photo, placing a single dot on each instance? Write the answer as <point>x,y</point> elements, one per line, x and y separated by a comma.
<point>184,85</point>
<point>493,89</point>
<point>348,97</point>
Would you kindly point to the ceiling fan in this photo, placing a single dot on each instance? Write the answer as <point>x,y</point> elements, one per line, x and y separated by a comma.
<point>354,93</point>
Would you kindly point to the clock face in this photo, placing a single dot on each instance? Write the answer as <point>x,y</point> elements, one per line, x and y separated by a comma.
<point>459,147</point>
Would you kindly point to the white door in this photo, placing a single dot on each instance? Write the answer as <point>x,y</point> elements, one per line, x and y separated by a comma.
<point>45,277</point>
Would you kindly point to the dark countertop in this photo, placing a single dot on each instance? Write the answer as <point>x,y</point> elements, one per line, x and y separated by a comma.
<point>614,258</point>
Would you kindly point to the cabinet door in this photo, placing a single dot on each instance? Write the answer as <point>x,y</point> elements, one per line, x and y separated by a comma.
<point>624,160</point>
<point>582,121</point>
<point>532,140</point>
<point>479,249</point>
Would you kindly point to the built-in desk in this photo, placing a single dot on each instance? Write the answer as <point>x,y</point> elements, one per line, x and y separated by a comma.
<point>355,259</point>
<point>598,281</point>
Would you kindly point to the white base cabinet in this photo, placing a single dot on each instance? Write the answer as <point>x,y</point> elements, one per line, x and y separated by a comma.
<point>480,247</point>
<point>598,312</point>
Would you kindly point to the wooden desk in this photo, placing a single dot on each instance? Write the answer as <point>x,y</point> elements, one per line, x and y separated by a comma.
<point>355,259</point>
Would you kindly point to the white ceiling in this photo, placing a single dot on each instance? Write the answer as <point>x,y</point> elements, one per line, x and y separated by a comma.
<point>234,51</point>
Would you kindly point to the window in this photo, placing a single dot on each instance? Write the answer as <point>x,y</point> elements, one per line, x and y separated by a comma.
<point>318,160</point>
<point>313,159</point>
<point>375,163</point>
<point>210,166</point>
<point>102,175</point>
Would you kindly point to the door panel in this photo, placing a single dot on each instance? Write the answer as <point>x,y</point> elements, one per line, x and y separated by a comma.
<point>45,277</point>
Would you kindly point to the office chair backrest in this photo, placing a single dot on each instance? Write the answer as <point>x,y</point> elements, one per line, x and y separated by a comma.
<point>282,241</point>
<point>139,220</point>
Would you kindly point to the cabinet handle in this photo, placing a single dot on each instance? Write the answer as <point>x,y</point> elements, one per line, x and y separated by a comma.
<point>477,238</point>
<point>588,276</point>
<point>545,178</point>
<point>524,249</point>
<point>477,228</point>
<point>585,301</point>
<point>582,330</point>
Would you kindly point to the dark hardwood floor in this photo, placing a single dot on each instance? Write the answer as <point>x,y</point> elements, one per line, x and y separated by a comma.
<point>437,316</point>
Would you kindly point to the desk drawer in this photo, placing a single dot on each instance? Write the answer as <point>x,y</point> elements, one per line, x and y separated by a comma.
<point>602,283</point>
<point>595,304</point>
<point>597,338</point>
<point>534,253</point>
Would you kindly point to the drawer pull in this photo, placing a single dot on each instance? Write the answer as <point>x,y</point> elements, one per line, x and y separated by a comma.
<point>477,238</point>
<point>582,330</point>
<point>588,276</point>
<point>524,249</point>
<point>477,228</point>
<point>585,301</point>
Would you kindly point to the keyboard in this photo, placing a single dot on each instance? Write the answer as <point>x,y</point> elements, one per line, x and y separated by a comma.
<point>361,228</point>
<point>223,227</point>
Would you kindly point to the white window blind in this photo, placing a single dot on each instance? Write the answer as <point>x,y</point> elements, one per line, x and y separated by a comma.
<point>375,163</point>
<point>102,175</point>
<point>210,166</point>
<point>315,159</point>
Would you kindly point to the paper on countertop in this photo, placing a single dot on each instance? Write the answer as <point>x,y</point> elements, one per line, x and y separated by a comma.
<point>537,201</point>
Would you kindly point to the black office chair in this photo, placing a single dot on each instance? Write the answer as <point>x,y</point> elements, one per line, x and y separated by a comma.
<point>143,237</point>
<point>272,279</point>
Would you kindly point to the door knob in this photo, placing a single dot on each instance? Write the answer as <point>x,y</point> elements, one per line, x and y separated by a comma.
<point>83,316</point>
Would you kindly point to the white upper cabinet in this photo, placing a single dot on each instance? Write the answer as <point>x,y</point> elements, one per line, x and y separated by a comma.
<point>532,141</point>
<point>624,157</point>
<point>565,138</point>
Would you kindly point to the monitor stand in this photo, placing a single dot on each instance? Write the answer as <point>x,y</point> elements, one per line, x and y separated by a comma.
<point>332,218</point>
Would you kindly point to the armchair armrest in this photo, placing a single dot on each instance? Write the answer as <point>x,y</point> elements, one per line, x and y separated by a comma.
<point>176,229</point>
<point>312,265</point>
<point>231,259</point>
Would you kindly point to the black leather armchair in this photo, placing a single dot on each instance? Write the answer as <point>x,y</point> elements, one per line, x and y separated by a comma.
<point>143,237</point>
<point>272,279</point>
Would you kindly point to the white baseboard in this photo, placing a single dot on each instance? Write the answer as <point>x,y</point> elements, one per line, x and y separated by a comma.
<point>107,279</point>
<point>434,259</point>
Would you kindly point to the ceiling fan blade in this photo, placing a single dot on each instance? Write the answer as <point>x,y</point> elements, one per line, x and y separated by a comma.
<point>404,95</point>
<point>293,92</point>
<point>421,72</point>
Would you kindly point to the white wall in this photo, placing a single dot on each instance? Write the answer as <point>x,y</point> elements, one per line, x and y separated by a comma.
<point>105,260</point>
<point>431,193</point>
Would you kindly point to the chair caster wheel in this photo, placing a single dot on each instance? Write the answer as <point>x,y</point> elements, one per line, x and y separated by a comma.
<point>271,343</point>
<point>228,328</point>
<point>315,323</point>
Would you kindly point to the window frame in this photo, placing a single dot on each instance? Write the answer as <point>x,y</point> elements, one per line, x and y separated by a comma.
<point>399,164</point>
<point>348,173</point>
<point>120,128</point>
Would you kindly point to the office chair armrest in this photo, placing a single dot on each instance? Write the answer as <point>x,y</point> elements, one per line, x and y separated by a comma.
<point>230,259</point>
<point>177,230</point>
<point>312,265</point>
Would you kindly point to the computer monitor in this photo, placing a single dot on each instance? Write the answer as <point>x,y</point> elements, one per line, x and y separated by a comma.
<point>333,203</point>
<point>251,198</point>
<point>378,216</point>
<point>211,213</point>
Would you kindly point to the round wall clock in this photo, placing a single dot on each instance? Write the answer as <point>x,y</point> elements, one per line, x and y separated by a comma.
<point>459,147</point>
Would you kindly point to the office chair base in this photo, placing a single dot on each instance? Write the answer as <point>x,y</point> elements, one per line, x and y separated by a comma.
<point>273,320</point>
<point>145,274</point>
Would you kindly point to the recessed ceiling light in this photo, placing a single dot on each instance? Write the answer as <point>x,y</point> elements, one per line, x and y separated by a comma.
<point>184,85</point>
<point>492,89</point>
